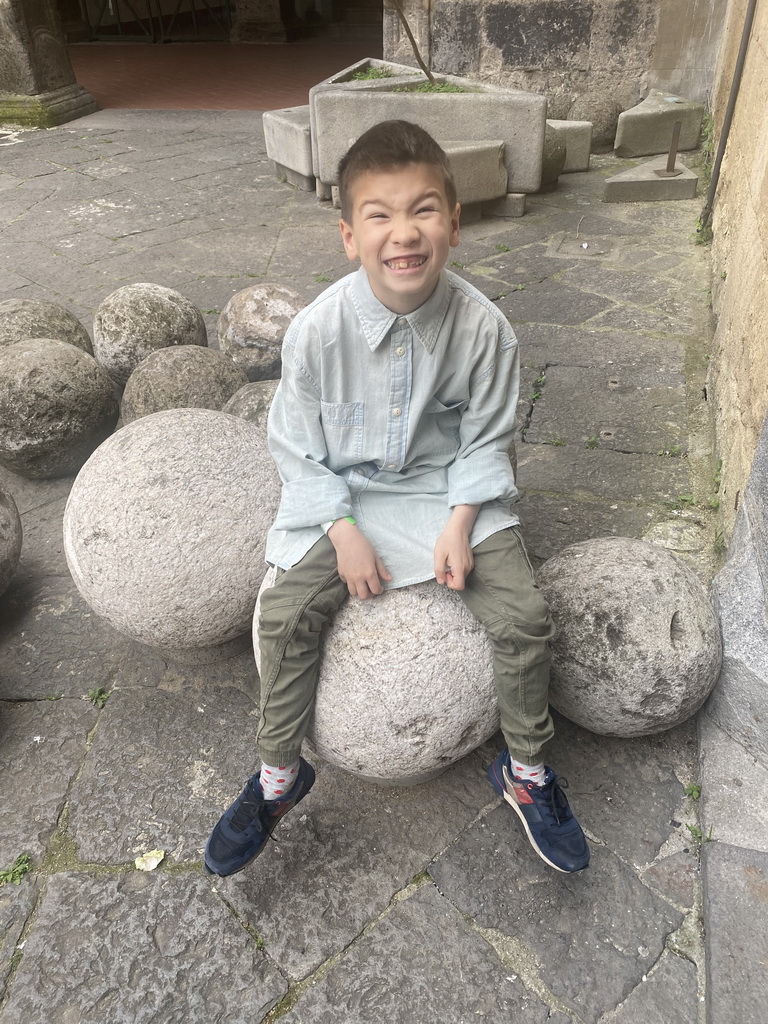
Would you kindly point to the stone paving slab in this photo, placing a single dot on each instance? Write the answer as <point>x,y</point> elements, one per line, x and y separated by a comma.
<point>42,747</point>
<point>348,851</point>
<point>161,769</point>
<point>626,409</point>
<point>672,984</point>
<point>138,949</point>
<point>736,920</point>
<point>553,345</point>
<point>420,962</point>
<point>16,904</point>
<point>613,476</point>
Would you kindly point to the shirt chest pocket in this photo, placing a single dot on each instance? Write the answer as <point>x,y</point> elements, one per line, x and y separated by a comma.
<point>438,431</point>
<point>343,429</point>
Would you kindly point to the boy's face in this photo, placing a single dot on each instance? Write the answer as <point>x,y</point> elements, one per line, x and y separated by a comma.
<point>401,230</point>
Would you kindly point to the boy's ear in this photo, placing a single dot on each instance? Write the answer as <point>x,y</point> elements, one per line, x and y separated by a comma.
<point>455,219</point>
<point>348,239</point>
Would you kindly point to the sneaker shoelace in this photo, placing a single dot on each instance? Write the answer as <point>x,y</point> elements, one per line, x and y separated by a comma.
<point>557,800</point>
<point>248,808</point>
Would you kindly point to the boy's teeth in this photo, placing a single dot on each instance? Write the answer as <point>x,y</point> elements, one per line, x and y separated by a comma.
<point>414,261</point>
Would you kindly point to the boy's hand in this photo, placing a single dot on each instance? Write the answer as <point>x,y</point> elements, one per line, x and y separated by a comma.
<point>359,565</point>
<point>454,560</point>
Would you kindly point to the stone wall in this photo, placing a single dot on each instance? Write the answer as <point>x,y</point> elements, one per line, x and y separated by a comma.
<point>566,48</point>
<point>739,371</point>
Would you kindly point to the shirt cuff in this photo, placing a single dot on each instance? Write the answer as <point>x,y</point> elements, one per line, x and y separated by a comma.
<point>481,478</point>
<point>313,502</point>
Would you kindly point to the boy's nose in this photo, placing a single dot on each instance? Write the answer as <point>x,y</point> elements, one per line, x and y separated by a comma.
<point>405,230</point>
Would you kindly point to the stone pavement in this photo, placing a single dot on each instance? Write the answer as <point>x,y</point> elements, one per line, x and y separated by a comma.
<point>375,904</point>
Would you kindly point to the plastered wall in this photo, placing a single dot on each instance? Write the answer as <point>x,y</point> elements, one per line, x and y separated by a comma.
<point>739,364</point>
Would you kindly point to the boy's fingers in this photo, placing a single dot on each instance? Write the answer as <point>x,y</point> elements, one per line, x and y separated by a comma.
<point>381,569</point>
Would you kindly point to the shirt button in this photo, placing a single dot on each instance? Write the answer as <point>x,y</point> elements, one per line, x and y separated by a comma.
<point>400,351</point>
<point>391,465</point>
<point>397,412</point>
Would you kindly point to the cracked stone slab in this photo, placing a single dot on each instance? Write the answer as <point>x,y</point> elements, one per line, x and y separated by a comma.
<point>421,962</point>
<point>161,770</point>
<point>342,855</point>
<point>52,644</point>
<point>625,792</point>
<point>736,929</point>
<point>42,747</point>
<point>549,302</point>
<point>625,409</point>
<point>16,904</point>
<point>592,935</point>
<point>43,548</point>
<point>34,494</point>
<point>552,523</point>
<point>729,773</point>
<point>139,949</point>
<point>676,877</point>
<point>614,476</point>
<point>673,983</point>
<point>589,347</point>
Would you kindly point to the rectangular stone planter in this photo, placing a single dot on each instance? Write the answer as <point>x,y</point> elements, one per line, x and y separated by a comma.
<point>341,109</point>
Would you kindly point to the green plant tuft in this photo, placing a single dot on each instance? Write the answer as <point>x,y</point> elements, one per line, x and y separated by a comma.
<point>99,696</point>
<point>14,874</point>
<point>371,74</point>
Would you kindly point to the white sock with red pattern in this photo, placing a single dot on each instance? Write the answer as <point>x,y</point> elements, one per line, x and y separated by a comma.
<point>527,772</point>
<point>276,782</point>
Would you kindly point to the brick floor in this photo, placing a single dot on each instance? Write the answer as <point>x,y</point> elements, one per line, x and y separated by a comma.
<point>211,76</point>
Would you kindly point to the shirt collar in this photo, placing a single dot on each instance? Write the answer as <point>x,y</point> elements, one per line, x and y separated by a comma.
<point>376,320</point>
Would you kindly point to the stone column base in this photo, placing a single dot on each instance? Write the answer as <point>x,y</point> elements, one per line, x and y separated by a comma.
<point>47,109</point>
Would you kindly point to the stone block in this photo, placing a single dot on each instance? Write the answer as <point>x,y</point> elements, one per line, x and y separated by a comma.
<point>647,128</point>
<point>288,140</point>
<point>165,527</point>
<point>306,183</point>
<point>342,109</point>
<point>641,184</point>
<point>578,143</point>
<point>478,169</point>
<point>440,696</point>
<point>739,702</point>
<point>638,645</point>
<point>736,930</point>
<point>510,205</point>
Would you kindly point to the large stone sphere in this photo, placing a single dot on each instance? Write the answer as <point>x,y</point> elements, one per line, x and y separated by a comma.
<point>165,527</point>
<point>139,319</point>
<point>406,685</point>
<point>638,645</point>
<point>253,401</point>
<point>183,376</point>
<point>10,538</point>
<point>252,326</point>
<point>56,406</point>
<point>21,319</point>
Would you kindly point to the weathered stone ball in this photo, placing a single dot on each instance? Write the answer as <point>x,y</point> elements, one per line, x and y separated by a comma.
<point>56,406</point>
<point>638,644</point>
<point>21,319</point>
<point>253,401</point>
<point>183,376</point>
<point>10,538</point>
<point>139,319</point>
<point>252,326</point>
<point>406,685</point>
<point>602,109</point>
<point>165,527</point>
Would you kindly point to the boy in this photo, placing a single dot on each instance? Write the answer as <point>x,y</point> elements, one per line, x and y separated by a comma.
<point>390,429</point>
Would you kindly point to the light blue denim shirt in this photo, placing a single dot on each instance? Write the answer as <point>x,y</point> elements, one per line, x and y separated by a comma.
<point>393,420</point>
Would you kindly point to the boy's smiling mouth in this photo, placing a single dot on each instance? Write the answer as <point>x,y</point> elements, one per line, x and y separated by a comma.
<point>405,262</point>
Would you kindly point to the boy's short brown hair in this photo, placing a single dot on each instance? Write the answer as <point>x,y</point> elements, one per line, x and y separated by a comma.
<point>388,145</point>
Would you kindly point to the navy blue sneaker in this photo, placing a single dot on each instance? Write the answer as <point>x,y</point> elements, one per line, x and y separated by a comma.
<point>243,830</point>
<point>549,823</point>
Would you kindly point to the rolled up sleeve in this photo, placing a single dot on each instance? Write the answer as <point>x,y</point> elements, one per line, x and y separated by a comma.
<point>481,470</point>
